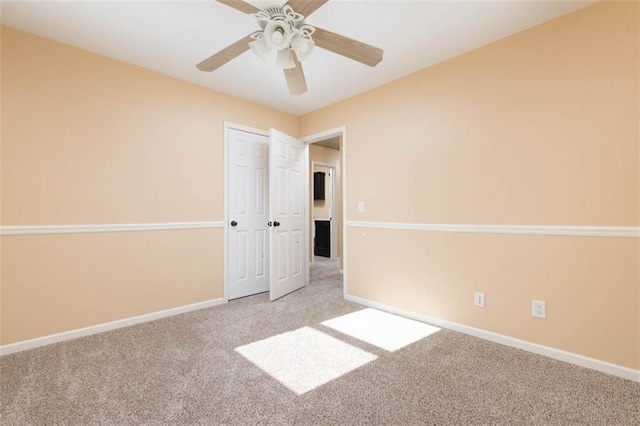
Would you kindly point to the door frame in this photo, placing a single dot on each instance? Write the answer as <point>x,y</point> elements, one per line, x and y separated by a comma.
<point>227,126</point>
<point>333,231</point>
<point>317,137</point>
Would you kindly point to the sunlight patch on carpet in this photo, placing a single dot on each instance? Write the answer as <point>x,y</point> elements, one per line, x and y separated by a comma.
<point>305,358</point>
<point>381,329</point>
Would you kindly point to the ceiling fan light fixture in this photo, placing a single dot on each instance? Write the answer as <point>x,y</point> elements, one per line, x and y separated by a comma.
<point>260,48</point>
<point>284,31</point>
<point>284,59</point>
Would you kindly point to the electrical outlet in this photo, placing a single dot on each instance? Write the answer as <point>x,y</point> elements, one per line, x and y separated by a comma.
<point>360,206</point>
<point>479,300</point>
<point>538,308</point>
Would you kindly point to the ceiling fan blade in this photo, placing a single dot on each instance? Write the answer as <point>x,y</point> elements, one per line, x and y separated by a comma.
<point>225,55</point>
<point>348,47</point>
<point>305,7</point>
<point>241,6</point>
<point>295,78</point>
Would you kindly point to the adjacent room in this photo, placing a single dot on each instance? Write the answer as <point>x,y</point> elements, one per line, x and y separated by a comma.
<point>320,212</point>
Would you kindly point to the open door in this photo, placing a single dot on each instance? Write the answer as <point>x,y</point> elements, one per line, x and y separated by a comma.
<point>287,218</point>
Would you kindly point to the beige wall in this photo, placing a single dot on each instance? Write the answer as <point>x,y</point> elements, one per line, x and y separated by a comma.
<point>90,140</point>
<point>64,282</point>
<point>540,128</point>
<point>332,157</point>
<point>638,189</point>
<point>1,182</point>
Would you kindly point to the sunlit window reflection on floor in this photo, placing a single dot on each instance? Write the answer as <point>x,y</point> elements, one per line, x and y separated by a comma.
<point>304,359</point>
<point>386,331</point>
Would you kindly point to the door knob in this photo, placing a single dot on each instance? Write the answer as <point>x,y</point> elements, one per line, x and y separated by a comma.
<point>276,223</point>
<point>234,223</point>
<point>269,223</point>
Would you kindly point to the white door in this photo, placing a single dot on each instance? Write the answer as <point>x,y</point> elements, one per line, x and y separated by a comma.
<point>288,233</point>
<point>248,254</point>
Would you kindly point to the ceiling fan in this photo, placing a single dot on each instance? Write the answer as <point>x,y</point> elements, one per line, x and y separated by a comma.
<point>285,34</point>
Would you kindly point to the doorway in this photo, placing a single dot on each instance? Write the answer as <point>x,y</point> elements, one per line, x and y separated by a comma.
<point>326,199</point>
<point>265,213</point>
<point>289,242</point>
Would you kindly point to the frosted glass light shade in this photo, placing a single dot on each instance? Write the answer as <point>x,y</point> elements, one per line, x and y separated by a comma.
<point>260,48</point>
<point>299,43</point>
<point>302,46</point>
<point>284,60</point>
<point>277,35</point>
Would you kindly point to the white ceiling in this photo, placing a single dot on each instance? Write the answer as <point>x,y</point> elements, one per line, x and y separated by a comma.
<point>171,37</point>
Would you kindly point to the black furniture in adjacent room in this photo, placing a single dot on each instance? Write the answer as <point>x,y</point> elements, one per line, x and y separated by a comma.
<point>318,186</point>
<point>322,246</point>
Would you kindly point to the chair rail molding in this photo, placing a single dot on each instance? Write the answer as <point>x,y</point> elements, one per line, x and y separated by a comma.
<point>576,231</point>
<point>110,227</point>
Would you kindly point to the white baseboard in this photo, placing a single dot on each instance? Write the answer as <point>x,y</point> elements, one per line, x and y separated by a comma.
<point>100,328</point>
<point>583,361</point>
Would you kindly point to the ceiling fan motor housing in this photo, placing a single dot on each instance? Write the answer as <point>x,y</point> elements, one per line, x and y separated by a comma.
<point>282,24</point>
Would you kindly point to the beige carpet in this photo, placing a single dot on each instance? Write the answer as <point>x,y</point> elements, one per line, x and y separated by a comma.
<point>186,370</point>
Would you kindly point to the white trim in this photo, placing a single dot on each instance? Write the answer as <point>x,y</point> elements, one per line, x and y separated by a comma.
<point>343,174</point>
<point>111,227</point>
<point>577,231</point>
<point>327,134</point>
<point>225,185</point>
<point>309,225</point>
<point>100,328</point>
<point>229,125</point>
<point>572,358</point>
<point>308,198</point>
